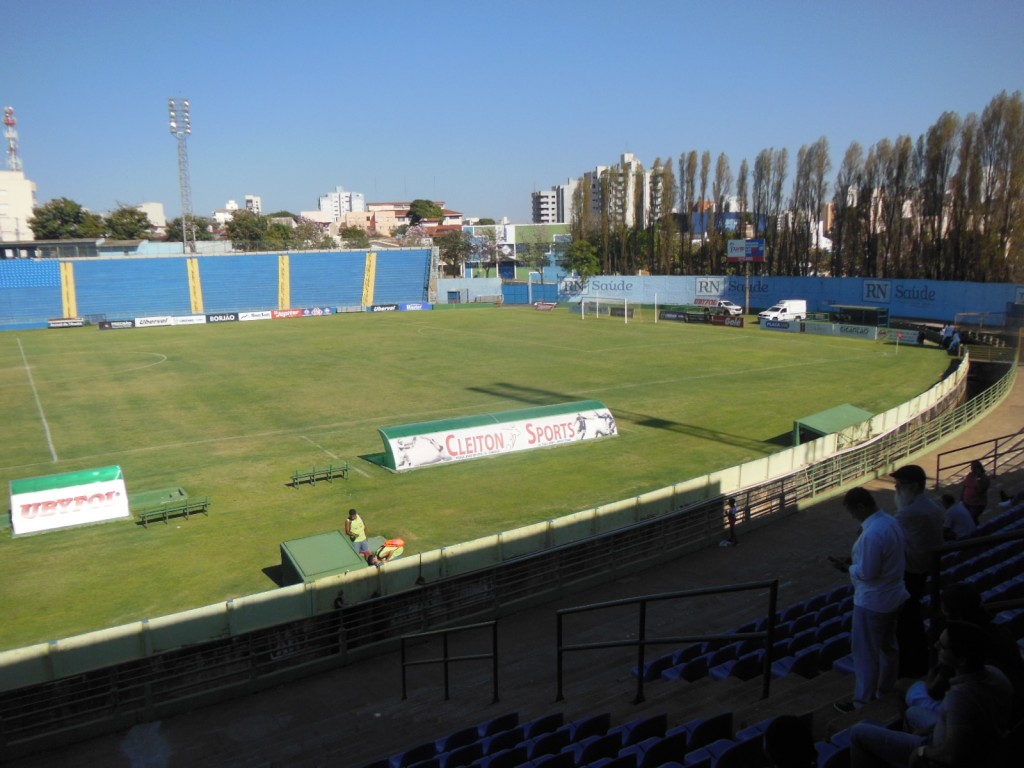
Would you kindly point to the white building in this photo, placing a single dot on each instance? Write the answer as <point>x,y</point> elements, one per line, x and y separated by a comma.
<point>223,215</point>
<point>17,199</point>
<point>254,203</point>
<point>554,206</point>
<point>339,202</point>
<point>155,213</point>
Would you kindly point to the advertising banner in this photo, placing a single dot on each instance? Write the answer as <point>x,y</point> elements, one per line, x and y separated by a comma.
<point>74,498</point>
<point>223,317</point>
<point>113,325</point>
<point>793,326</point>
<point>262,315</point>
<point>190,320</point>
<point>65,322</point>
<point>746,250</point>
<point>154,322</point>
<point>474,437</point>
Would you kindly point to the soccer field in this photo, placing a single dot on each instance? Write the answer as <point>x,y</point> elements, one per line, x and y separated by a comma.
<point>229,411</point>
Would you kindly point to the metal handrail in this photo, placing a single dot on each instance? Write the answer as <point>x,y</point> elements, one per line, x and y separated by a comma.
<point>995,450</point>
<point>642,641</point>
<point>445,660</point>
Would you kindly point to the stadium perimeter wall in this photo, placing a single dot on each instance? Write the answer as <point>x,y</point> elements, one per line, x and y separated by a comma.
<point>933,300</point>
<point>33,291</point>
<point>77,687</point>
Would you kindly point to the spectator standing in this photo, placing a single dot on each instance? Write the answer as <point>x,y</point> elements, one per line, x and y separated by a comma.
<point>731,513</point>
<point>355,528</point>
<point>975,490</point>
<point>958,523</point>
<point>876,571</point>
<point>973,717</point>
<point>922,520</point>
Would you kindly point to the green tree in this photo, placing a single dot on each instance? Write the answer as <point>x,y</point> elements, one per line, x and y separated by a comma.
<point>128,223</point>
<point>355,237</point>
<point>64,219</point>
<point>173,234</point>
<point>454,248</point>
<point>421,209</point>
<point>581,258</point>
<point>247,231</point>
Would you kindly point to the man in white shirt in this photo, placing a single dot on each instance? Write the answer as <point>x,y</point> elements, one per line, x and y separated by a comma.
<point>959,523</point>
<point>876,571</point>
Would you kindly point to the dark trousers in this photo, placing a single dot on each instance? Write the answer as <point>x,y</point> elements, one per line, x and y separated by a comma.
<point>910,632</point>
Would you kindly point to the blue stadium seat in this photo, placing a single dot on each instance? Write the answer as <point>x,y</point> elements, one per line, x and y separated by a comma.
<point>415,755</point>
<point>548,743</point>
<point>498,724</point>
<point>543,724</point>
<point>620,761</point>
<point>844,664</point>
<point>688,670</point>
<point>743,668</point>
<point>457,739</point>
<point>817,602</point>
<point>830,628</point>
<point>507,758</point>
<point>704,730</point>
<point>840,593</point>
<point>654,668</point>
<point>829,611</point>
<point>561,760</point>
<point>805,639</point>
<point>463,755</point>
<point>832,649</point>
<point>638,730</point>
<point>831,756</point>
<point>596,748</point>
<point>671,748</point>
<point>503,740</point>
<point>804,663</point>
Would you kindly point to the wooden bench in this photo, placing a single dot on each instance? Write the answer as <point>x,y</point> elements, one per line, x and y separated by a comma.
<point>327,474</point>
<point>178,509</point>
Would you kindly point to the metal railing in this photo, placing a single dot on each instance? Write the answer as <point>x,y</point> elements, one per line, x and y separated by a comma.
<point>446,659</point>
<point>642,642</point>
<point>998,453</point>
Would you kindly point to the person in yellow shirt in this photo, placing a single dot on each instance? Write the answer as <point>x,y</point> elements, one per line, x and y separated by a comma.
<point>355,528</point>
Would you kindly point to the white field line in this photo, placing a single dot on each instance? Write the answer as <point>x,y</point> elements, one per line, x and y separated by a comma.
<point>39,404</point>
<point>332,455</point>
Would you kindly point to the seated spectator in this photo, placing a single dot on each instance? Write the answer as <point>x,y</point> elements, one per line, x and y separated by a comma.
<point>958,522</point>
<point>972,722</point>
<point>962,602</point>
<point>788,743</point>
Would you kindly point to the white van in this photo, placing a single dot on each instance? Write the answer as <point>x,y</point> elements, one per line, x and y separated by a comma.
<point>787,309</point>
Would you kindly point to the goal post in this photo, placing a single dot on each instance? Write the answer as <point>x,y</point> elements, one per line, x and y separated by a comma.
<point>610,307</point>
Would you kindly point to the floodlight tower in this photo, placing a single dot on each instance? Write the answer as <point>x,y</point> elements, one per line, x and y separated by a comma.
<point>181,128</point>
<point>13,159</point>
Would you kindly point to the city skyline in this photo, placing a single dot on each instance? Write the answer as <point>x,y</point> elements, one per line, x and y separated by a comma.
<point>473,106</point>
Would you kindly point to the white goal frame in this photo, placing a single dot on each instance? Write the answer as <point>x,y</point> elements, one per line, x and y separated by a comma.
<point>610,307</point>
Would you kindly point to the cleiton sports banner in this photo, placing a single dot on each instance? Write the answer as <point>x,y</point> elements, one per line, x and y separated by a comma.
<point>74,498</point>
<point>473,437</point>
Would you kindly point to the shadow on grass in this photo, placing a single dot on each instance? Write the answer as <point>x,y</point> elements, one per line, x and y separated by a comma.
<point>273,572</point>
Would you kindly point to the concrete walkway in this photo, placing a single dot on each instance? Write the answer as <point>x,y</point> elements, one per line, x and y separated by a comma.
<point>355,715</point>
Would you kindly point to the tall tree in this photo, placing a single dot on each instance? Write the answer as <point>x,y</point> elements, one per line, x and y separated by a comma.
<point>64,219</point>
<point>128,223</point>
<point>454,250</point>
<point>421,209</point>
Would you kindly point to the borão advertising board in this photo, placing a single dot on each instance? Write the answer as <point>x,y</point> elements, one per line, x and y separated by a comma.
<point>432,443</point>
<point>74,498</point>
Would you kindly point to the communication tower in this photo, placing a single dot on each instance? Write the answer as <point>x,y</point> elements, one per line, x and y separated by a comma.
<point>11,134</point>
<point>181,129</point>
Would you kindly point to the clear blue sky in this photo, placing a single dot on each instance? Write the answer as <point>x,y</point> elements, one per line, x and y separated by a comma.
<point>474,103</point>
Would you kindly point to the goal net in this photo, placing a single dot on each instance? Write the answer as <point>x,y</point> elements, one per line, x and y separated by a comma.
<point>616,309</point>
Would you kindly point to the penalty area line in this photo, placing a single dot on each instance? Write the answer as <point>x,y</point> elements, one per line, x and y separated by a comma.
<point>39,403</point>
<point>333,456</point>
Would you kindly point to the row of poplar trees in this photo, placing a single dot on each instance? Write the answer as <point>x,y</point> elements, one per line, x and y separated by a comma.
<point>946,206</point>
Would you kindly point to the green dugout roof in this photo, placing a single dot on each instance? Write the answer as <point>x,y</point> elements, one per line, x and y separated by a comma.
<point>314,557</point>
<point>828,422</point>
<point>65,479</point>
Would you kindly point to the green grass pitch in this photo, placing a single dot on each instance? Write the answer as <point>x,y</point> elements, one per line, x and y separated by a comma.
<point>230,411</point>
